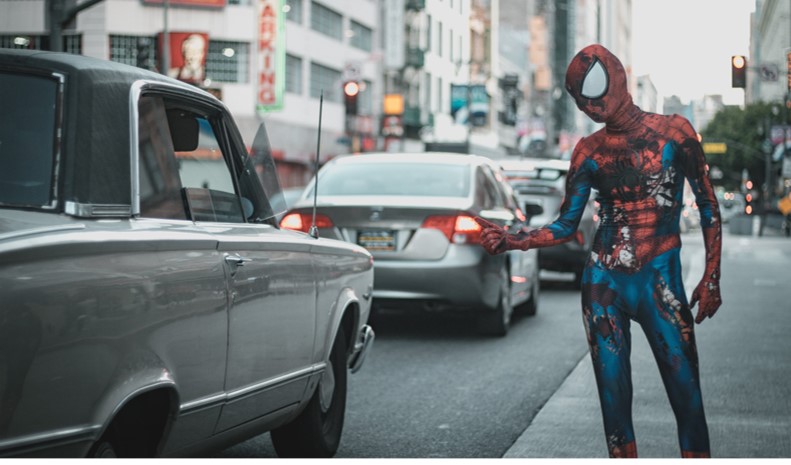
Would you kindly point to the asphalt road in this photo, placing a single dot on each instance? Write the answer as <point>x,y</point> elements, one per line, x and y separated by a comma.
<point>432,387</point>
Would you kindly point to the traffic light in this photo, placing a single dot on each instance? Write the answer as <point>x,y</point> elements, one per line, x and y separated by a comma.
<point>351,89</point>
<point>748,202</point>
<point>739,71</point>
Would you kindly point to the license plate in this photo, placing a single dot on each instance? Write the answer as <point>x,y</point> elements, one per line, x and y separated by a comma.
<point>377,240</point>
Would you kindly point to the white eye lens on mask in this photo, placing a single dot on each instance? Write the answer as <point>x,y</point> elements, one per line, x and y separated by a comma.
<point>595,83</point>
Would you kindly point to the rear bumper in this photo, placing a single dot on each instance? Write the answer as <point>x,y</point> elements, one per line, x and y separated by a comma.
<point>465,278</point>
<point>361,348</point>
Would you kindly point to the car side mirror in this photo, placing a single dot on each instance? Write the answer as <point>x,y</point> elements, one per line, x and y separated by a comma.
<point>532,209</point>
<point>183,130</point>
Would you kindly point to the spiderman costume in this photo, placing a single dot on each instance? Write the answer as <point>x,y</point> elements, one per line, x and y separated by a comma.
<point>637,163</point>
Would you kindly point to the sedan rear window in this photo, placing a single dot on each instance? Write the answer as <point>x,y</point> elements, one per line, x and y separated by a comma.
<point>400,179</point>
<point>27,139</point>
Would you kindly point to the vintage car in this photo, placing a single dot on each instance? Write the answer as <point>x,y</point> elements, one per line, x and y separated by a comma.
<point>151,306</point>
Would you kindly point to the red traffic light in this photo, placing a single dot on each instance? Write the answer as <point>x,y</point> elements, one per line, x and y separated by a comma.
<point>739,71</point>
<point>351,88</point>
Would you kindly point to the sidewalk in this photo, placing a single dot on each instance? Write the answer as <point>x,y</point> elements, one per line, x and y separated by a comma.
<point>745,363</point>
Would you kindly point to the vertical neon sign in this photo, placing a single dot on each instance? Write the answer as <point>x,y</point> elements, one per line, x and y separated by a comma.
<point>271,56</point>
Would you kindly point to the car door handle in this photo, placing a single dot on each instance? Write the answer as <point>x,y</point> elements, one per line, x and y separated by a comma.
<point>237,260</point>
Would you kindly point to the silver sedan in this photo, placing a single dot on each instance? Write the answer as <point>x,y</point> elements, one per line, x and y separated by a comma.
<point>415,214</point>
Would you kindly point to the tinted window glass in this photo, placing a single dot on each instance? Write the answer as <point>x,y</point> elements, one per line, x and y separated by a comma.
<point>413,179</point>
<point>160,187</point>
<point>27,139</point>
<point>185,169</point>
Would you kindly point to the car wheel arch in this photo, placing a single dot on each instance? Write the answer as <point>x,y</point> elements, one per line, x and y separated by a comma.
<point>153,406</point>
<point>346,312</point>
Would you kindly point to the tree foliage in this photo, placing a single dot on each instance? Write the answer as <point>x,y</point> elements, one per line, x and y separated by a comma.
<point>744,130</point>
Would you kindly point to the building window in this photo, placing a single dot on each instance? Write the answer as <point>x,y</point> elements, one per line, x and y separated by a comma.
<point>294,10</point>
<point>365,103</point>
<point>323,78</point>
<point>428,33</point>
<point>361,36</point>
<point>439,97</point>
<point>293,74</point>
<point>72,43</point>
<point>326,21</point>
<point>439,38</point>
<point>450,44</point>
<point>228,61</point>
<point>429,105</point>
<point>137,51</point>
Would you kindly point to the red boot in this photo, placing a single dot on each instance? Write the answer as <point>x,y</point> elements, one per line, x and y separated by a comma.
<point>626,451</point>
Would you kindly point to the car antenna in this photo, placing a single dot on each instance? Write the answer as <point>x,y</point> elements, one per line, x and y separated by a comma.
<point>314,231</point>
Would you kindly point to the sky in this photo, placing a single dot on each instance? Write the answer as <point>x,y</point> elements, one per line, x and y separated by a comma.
<point>686,45</point>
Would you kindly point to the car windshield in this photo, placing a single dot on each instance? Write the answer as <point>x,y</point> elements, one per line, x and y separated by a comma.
<point>27,140</point>
<point>400,179</point>
<point>544,174</point>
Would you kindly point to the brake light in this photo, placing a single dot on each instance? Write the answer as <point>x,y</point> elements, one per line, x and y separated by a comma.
<point>459,229</point>
<point>579,237</point>
<point>302,221</point>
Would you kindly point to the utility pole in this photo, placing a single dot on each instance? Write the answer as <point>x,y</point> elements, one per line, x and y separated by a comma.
<point>61,13</point>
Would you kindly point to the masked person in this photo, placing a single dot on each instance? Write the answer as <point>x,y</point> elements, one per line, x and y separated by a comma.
<point>638,163</point>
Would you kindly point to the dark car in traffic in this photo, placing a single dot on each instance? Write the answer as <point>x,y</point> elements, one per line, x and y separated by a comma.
<point>541,184</point>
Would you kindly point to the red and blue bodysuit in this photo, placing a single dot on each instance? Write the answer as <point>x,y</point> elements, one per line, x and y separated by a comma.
<point>637,163</point>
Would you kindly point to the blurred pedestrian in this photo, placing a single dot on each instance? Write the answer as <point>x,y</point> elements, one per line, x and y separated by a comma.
<point>638,163</point>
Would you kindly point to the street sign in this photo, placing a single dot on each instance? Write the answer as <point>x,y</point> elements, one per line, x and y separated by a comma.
<point>714,147</point>
<point>769,72</point>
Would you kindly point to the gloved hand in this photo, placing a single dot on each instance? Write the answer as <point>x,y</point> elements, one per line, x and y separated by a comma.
<point>707,296</point>
<point>495,239</point>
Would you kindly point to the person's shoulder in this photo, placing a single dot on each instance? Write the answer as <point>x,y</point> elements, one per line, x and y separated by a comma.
<point>585,147</point>
<point>680,126</point>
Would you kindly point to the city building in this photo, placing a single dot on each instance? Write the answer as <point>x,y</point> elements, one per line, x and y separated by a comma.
<point>646,96</point>
<point>769,65</point>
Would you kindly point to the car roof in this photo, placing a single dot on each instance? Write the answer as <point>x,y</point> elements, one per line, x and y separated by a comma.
<point>96,135</point>
<point>530,164</point>
<point>421,157</point>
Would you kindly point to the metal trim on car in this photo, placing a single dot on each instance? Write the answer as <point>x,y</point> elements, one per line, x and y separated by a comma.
<point>47,440</point>
<point>135,91</point>
<point>217,399</point>
<point>58,139</point>
<point>89,210</point>
<point>361,348</point>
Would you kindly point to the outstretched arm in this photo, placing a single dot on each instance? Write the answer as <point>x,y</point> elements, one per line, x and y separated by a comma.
<point>707,292</point>
<point>578,185</point>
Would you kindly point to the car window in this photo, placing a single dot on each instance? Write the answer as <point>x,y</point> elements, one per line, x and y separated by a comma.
<point>484,196</point>
<point>490,185</point>
<point>27,139</point>
<point>401,179</point>
<point>184,173</point>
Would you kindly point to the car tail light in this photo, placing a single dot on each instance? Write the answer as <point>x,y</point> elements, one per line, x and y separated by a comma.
<point>459,229</point>
<point>302,221</point>
<point>579,237</point>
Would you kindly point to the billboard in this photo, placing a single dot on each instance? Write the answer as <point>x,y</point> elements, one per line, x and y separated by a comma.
<point>187,55</point>
<point>271,56</point>
<point>460,107</point>
<point>197,3</point>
